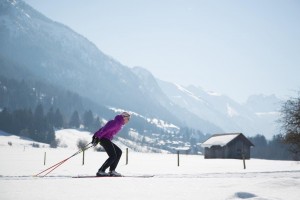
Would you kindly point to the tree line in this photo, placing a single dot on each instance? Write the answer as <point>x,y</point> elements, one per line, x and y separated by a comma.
<point>20,94</point>
<point>40,126</point>
<point>274,149</point>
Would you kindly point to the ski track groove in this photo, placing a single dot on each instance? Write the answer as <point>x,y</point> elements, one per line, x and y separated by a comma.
<point>277,174</point>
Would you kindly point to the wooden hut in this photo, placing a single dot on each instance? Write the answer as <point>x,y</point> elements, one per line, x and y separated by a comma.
<point>229,145</point>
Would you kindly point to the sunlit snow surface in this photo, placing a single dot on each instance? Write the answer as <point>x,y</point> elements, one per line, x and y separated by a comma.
<point>195,178</point>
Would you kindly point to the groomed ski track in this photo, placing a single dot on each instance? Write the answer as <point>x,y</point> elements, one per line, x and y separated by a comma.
<point>277,174</point>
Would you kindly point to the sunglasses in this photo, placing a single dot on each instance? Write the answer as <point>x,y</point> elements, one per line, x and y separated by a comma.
<point>128,117</point>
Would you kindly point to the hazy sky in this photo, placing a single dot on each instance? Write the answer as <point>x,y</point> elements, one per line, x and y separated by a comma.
<point>237,48</point>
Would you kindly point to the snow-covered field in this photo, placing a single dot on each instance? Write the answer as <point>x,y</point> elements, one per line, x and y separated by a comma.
<point>195,178</point>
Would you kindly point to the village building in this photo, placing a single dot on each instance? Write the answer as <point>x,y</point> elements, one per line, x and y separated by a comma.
<point>229,145</point>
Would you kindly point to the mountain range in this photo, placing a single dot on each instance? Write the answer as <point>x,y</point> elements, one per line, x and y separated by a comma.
<point>34,47</point>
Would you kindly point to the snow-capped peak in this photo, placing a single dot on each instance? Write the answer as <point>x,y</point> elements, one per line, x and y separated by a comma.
<point>188,92</point>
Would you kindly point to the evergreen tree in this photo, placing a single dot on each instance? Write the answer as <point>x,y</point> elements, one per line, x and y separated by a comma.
<point>96,124</point>
<point>50,136</point>
<point>88,119</point>
<point>20,121</point>
<point>74,121</point>
<point>278,150</point>
<point>40,124</point>
<point>30,120</point>
<point>51,117</point>
<point>6,121</point>
<point>260,146</point>
<point>58,119</point>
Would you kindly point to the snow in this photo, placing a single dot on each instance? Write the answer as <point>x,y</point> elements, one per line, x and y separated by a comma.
<point>268,114</point>
<point>162,124</point>
<point>195,178</point>
<point>231,111</point>
<point>7,139</point>
<point>220,140</point>
<point>158,122</point>
<point>212,93</point>
<point>70,137</point>
<point>179,87</point>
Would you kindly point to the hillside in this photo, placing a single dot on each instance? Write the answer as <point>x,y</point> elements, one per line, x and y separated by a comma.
<point>53,53</point>
<point>257,116</point>
<point>7,139</point>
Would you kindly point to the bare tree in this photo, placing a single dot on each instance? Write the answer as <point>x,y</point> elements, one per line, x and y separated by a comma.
<point>81,143</point>
<point>290,120</point>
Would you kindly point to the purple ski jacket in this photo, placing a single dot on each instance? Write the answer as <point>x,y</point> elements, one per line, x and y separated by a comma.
<point>111,128</point>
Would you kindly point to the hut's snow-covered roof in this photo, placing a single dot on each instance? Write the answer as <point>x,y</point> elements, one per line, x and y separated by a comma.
<point>220,139</point>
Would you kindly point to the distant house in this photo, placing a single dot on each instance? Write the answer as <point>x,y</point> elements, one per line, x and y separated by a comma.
<point>230,145</point>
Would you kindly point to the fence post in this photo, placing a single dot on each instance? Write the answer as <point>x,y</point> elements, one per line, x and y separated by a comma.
<point>83,157</point>
<point>244,162</point>
<point>126,156</point>
<point>45,158</point>
<point>178,158</point>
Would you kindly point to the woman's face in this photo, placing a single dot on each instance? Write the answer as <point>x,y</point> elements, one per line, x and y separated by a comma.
<point>126,119</point>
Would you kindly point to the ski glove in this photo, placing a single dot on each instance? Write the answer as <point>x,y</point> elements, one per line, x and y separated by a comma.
<point>95,140</point>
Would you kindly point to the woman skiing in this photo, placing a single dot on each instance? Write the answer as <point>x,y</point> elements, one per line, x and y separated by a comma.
<point>104,136</point>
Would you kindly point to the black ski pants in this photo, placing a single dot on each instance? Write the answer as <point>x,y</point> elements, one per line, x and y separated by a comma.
<point>114,153</point>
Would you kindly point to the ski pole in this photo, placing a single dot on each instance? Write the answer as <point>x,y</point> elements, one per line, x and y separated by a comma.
<point>57,164</point>
<point>53,167</point>
<point>61,162</point>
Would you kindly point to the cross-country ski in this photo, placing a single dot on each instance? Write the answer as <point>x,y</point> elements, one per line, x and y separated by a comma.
<point>122,176</point>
